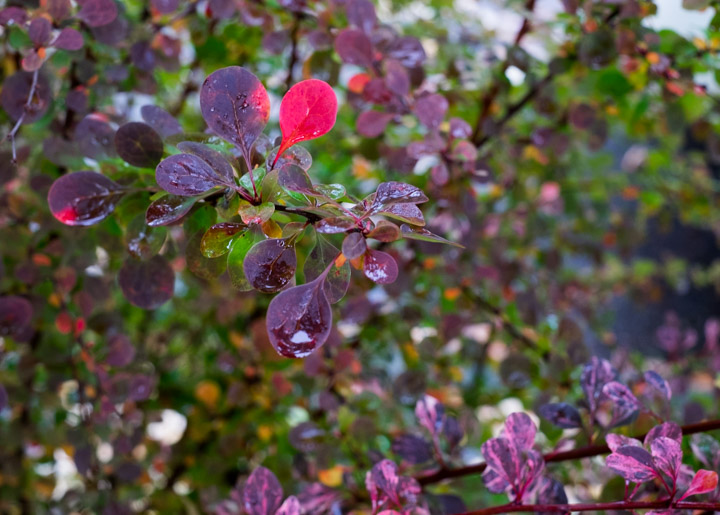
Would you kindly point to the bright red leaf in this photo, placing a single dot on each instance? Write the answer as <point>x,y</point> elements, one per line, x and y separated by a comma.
<point>704,481</point>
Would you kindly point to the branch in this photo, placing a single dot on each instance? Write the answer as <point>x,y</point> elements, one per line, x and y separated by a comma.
<point>13,132</point>
<point>311,217</point>
<point>293,49</point>
<point>555,456</point>
<point>620,505</point>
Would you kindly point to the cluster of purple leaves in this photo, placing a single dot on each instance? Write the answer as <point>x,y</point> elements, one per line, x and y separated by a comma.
<point>659,457</point>
<point>392,493</point>
<point>607,402</point>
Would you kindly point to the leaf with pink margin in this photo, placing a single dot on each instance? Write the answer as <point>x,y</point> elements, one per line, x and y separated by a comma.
<point>430,413</point>
<point>83,198</point>
<point>501,455</point>
<point>624,402</point>
<point>520,430</point>
<point>657,382</point>
<point>616,441</point>
<point>291,506</point>
<point>704,481</point>
<point>533,465</point>
<point>494,482</point>
<point>668,429</point>
<point>633,463</point>
<point>383,479</point>
<point>667,455</point>
<point>236,106</point>
<point>262,494</point>
<point>561,415</point>
<point>308,111</point>
<point>594,375</point>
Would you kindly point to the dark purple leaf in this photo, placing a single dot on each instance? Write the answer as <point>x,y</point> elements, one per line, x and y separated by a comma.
<point>633,463</point>
<point>594,375</point>
<point>114,33</point>
<point>408,50</point>
<point>306,437</point>
<point>361,13</point>
<point>275,42</point>
<point>389,193</point>
<point>168,209</point>
<point>299,319</point>
<point>236,106</point>
<point>335,225</point>
<point>494,482</point>
<point>262,494</point>
<point>430,414</point>
<point>668,429</point>
<point>656,381</point>
<point>293,178</point>
<point>624,402</point>
<point>460,129</point>
<point>291,506</point>
<point>354,245</point>
<point>83,198</point>
<point>139,145</point>
<point>68,39</point>
<point>408,213</point>
<point>354,47</point>
<point>667,455</point>
<point>551,491</point>
<point>412,449</point>
<point>431,110</point>
<point>561,414</point>
<point>95,137</point>
<point>39,31</point>
<point>385,231</point>
<point>615,441</point>
<point>97,13</point>
<point>14,96</point>
<point>380,267</point>
<point>187,175</point>
<point>120,351</point>
<point>372,124</point>
<point>16,15</point>
<point>502,457</point>
<point>143,56</point>
<point>218,162</point>
<point>704,481</point>
<point>147,284</point>
<point>270,265</point>
<point>15,314</point>
<point>338,279</point>
<point>520,430</point>
<point>452,431</point>
<point>163,122</point>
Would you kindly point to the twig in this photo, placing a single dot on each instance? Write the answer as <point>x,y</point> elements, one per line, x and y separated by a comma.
<point>293,49</point>
<point>11,135</point>
<point>620,505</point>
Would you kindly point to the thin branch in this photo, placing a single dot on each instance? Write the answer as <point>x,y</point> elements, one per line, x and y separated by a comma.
<point>13,132</point>
<point>311,217</point>
<point>619,505</point>
<point>294,33</point>
<point>556,456</point>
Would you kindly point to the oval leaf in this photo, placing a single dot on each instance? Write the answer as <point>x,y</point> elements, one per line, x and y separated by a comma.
<point>139,145</point>
<point>262,494</point>
<point>187,175</point>
<point>270,265</point>
<point>380,267</point>
<point>147,284</point>
<point>83,198</point>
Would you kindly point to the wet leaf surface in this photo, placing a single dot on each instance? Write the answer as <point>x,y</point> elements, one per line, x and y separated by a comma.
<point>218,239</point>
<point>83,198</point>
<point>338,278</point>
<point>187,175</point>
<point>270,265</point>
<point>168,209</point>
<point>380,267</point>
<point>139,145</point>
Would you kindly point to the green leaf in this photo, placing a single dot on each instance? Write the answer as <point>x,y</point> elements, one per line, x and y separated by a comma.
<point>255,214</point>
<point>218,239</point>
<point>239,249</point>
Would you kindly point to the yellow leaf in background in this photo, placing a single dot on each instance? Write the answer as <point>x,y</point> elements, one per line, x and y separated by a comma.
<point>265,432</point>
<point>331,477</point>
<point>452,293</point>
<point>361,167</point>
<point>208,393</point>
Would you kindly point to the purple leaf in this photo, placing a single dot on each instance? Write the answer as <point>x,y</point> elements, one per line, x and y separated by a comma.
<point>354,47</point>
<point>39,31</point>
<point>168,209</point>
<point>299,319</point>
<point>335,225</point>
<point>262,494</point>
<point>380,267</point>
<point>594,375</point>
<point>656,381</point>
<point>667,455</point>
<point>430,413</point>
<point>408,50</point>
<point>68,39</point>
<point>14,96</point>
<point>412,449</point>
<point>551,491</point>
<point>383,479</point>
<point>704,481</point>
<point>15,314</point>
<point>668,429</point>
<point>520,430</point>
<point>501,455</point>
<point>338,279</point>
<point>616,441</point>
<point>139,145</point>
<point>460,129</point>
<point>291,506</point>
<point>396,78</point>
<point>561,414</point>
<point>120,351</point>
<point>97,13</point>
<point>633,463</point>
<point>372,124</point>
<point>354,245</point>
<point>187,175</point>
<point>431,110</point>
<point>270,265</point>
<point>361,13</point>
<point>306,437</point>
<point>147,284</point>
<point>408,213</point>
<point>236,106</point>
<point>494,482</point>
<point>389,193</point>
<point>214,159</point>
<point>95,137</point>
<point>624,402</point>
<point>163,122</point>
<point>83,198</point>
<point>294,178</point>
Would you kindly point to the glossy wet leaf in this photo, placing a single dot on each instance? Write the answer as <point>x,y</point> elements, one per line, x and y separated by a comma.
<point>332,191</point>
<point>14,96</point>
<point>144,241</point>
<point>354,245</point>
<point>294,178</point>
<point>308,110</point>
<point>147,284</point>
<point>380,267</point>
<point>168,209</point>
<point>335,225</point>
<point>218,239</point>
<point>354,47</point>
<point>262,494</point>
<point>246,181</point>
<point>270,265</point>
<point>139,145</point>
<point>299,319</point>
<point>296,155</point>
<point>83,198</point>
<point>390,193</point>
<point>259,214</point>
<point>338,278</point>
<point>235,105</point>
<point>200,265</point>
<point>15,314</point>
<point>187,175</point>
<point>218,162</point>
<point>385,231</point>
<point>703,482</point>
<point>421,234</point>
<point>97,13</point>
<point>239,249</point>
<point>561,414</point>
<point>408,213</point>
<point>667,455</point>
<point>413,449</point>
<point>633,463</point>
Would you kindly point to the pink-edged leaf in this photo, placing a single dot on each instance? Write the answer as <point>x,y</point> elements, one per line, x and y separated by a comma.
<point>624,402</point>
<point>380,267</point>
<point>616,441</point>
<point>430,413</point>
<point>502,456</point>
<point>667,455</point>
<point>68,39</point>
<point>308,110</point>
<point>291,506</point>
<point>83,198</point>
<point>633,463</point>
<point>520,430</point>
<point>372,124</point>
<point>656,381</point>
<point>494,482</point>
<point>262,494</point>
<point>561,414</point>
<point>704,481</point>
<point>667,429</point>
<point>382,481</point>
<point>594,375</point>
<point>236,106</point>
<point>533,465</point>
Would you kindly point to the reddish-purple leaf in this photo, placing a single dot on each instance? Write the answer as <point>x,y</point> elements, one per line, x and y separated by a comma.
<point>14,96</point>
<point>39,31</point>
<point>396,78</point>
<point>408,50</point>
<point>218,162</point>
<point>293,178</point>
<point>656,381</point>
<point>383,481</point>
<point>412,449</point>
<point>270,265</point>
<point>389,193</point>
<point>431,110</point>
<point>299,319</point>
<point>139,145</point>
<point>667,455</point>
<point>235,105</point>
<point>308,110</point>
<point>163,122</point>
<point>633,463</point>
<point>372,124</point>
<point>120,351</point>
<point>306,437</point>
<point>615,441</point>
<point>354,245</point>
<point>704,481</point>
<point>430,413</point>
<point>322,256</point>
<point>502,457</point>
<point>520,430</point>
<point>15,314</point>
<point>165,6</point>
<point>97,13</point>
<point>95,137</point>
<point>385,231</point>
<point>561,414</point>
<point>32,61</point>
<point>361,13</point>
<point>494,482</point>
<point>408,213</point>
<point>354,47</point>
<point>83,198</point>
<point>262,494</point>
<point>68,39</point>
<point>551,491</point>
<point>668,429</point>
<point>168,210</point>
<point>147,284</point>
<point>380,267</point>
<point>335,225</point>
<point>594,375</point>
<point>187,175</point>
<point>291,506</point>
<point>13,14</point>
<point>624,402</point>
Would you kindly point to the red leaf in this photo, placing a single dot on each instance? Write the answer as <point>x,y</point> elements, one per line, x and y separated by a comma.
<point>704,481</point>
<point>308,111</point>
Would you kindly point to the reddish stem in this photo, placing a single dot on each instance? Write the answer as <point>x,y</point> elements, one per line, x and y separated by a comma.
<point>619,505</point>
